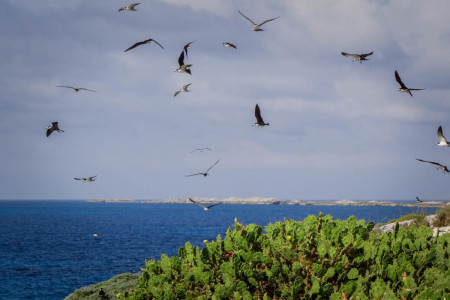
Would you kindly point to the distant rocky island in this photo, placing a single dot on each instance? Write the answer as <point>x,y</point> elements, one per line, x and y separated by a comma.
<point>274,201</point>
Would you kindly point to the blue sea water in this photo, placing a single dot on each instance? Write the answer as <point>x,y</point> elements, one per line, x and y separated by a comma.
<point>47,248</point>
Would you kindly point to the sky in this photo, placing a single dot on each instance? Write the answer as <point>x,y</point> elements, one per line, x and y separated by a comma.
<point>338,129</point>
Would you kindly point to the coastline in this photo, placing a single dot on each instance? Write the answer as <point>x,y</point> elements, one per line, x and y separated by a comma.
<point>274,201</point>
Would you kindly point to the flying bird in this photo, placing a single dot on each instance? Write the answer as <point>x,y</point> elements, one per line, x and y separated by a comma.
<point>442,140</point>
<point>201,149</point>
<point>89,179</point>
<point>183,89</point>
<point>52,128</point>
<point>206,173</point>
<point>403,87</point>
<point>204,207</point>
<point>129,7</point>
<point>182,67</point>
<point>259,119</point>
<point>439,166</point>
<point>418,200</point>
<point>185,48</point>
<point>358,57</point>
<point>75,90</point>
<point>230,45</point>
<point>143,43</point>
<point>256,27</point>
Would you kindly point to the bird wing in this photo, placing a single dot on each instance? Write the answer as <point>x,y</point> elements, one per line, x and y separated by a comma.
<point>349,54</point>
<point>416,89</point>
<point>122,8</point>
<point>186,86</point>
<point>185,48</point>
<point>430,162</point>
<point>213,165</point>
<point>213,205</point>
<point>156,43</point>
<point>49,131</point>
<point>181,59</point>
<point>86,89</point>
<point>78,178</point>
<point>194,174</point>
<point>267,21</point>
<point>199,204</point>
<point>66,86</point>
<point>131,6</point>
<point>135,45</point>
<point>247,18</point>
<point>259,119</point>
<point>367,54</point>
<point>176,93</point>
<point>441,135</point>
<point>397,77</point>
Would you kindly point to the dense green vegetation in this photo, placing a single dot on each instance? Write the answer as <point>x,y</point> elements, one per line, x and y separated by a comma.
<point>317,258</point>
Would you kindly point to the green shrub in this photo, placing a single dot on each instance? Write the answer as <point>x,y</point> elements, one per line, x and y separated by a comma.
<point>318,258</point>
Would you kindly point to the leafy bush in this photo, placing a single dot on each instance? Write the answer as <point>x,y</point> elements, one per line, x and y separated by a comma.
<point>318,258</point>
<point>442,217</point>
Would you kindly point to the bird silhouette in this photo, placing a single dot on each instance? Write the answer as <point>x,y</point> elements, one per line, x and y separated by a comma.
<point>204,207</point>
<point>143,43</point>
<point>207,171</point>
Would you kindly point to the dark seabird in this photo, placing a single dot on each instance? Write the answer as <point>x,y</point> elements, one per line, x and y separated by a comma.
<point>201,149</point>
<point>89,179</point>
<point>129,7</point>
<point>442,140</point>
<point>204,207</point>
<point>75,90</point>
<point>439,166</point>
<point>230,45</point>
<point>143,43</point>
<point>403,87</point>
<point>185,48</point>
<point>257,26</point>
<point>358,57</point>
<point>102,294</point>
<point>206,173</point>
<point>52,128</point>
<point>183,68</point>
<point>183,89</point>
<point>418,200</point>
<point>259,119</point>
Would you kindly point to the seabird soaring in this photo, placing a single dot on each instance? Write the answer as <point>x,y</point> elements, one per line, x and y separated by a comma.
<point>256,26</point>
<point>357,57</point>
<point>129,7</point>
<point>442,140</point>
<point>185,48</point>
<point>230,45</point>
<point>89,179</point>
<point>201,149</point>
<point>418,200</point>
<point>403,87</point>
<point>439,166</point>
<point>206,173</point>
<point>75,90</point>
<point>183,89</point>
<point>259,119</point>
<point>204,207</point>
<point>143,43</point>
<point>183,68</point>
<point>52,128</point>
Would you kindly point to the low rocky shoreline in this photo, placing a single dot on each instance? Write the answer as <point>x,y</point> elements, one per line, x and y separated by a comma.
<point>274,201</point>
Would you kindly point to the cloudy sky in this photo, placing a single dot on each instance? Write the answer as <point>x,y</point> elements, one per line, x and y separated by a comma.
<point>338,129</point>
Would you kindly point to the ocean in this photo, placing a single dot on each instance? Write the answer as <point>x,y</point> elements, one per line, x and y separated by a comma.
<point>47,248</point>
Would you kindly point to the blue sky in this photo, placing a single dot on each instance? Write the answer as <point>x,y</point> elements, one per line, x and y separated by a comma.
<point>338,129</point>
